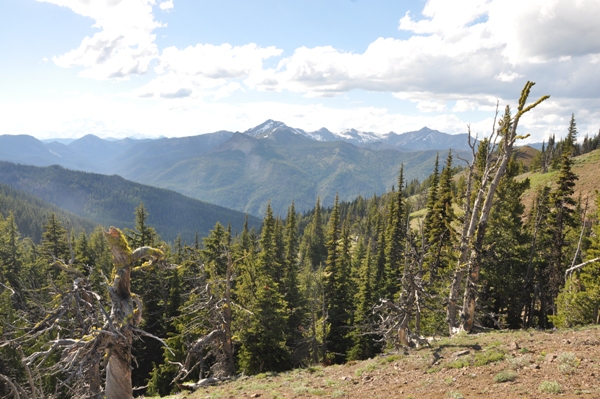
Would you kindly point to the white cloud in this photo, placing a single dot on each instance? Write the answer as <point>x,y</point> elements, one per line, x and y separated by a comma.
<point>206,69</point>
<point>123,46</point>
<point>507,76</point>
<point>166,5</point>
<point>541,30</point>
<point>445,17</point>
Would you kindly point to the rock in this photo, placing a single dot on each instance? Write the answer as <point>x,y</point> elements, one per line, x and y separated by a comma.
<point>513,346</point>
<point>255,395</point>
<point>461,353</point>
<point>550,358</point>
<point>346,378</point>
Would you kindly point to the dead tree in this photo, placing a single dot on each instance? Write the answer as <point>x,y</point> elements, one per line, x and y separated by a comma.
<point>498,154</point>
<point>395,316</point>
<point>216,303</point>
<point>96,338</point>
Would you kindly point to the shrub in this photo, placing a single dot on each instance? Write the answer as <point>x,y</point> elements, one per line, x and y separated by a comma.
<point>488,357</point>
<point>550,387</point>
<point>505,376</point>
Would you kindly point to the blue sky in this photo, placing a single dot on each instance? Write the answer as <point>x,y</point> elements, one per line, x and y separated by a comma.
<point>147,68</point>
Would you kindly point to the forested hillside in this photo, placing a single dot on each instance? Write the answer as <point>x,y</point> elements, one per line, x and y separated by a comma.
<point>111,200</point>
<point>326,286</point>
<point>31,214</point>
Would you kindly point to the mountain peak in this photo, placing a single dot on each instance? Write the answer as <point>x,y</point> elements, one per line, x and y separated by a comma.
<point>264,128</point>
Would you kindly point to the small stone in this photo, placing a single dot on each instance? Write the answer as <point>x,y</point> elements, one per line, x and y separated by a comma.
<point>514,346</point>
<point>461,353</point>
<point>535,366</point>
<point>346,378</point>
<point>550,357</point>
<point>256,395</point>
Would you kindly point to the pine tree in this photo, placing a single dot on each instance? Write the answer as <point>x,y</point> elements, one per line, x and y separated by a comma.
<point>290,285</point>
<point>363,344</point>
<point>440,234</point>
<point>570,143</point>
<point>432,196</point>
<point>54,240</point>
<point>562,218</point>
<point>142,235</point>
<point>396,234</point>
<point>506,252</point>
<point>379,283</point>
<point>579,301</point>
<point>263,341</point>
<point>336,290</point>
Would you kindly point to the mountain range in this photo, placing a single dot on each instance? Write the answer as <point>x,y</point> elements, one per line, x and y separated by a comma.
<point>243,171</point>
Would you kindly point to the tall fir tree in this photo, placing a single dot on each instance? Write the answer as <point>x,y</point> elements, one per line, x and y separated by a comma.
<point>396,235</point>
<point>562,219</point>
<point>263,341</point>
<point>337,312</point>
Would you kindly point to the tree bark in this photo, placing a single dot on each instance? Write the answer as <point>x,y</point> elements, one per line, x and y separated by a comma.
<point>124,316</point>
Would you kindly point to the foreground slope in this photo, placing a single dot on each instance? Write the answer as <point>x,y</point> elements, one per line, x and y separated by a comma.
<point>501,364</point>
<point>111,200</point>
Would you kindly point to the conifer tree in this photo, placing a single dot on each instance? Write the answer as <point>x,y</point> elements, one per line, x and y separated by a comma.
<point>379,284</point>
<point>363,344</point>
<point>570,143</point>
<point>143,235</point>
<point>440,233</point>
<point>579,301</point>
<point>54,240</point>
<point>263,341</point>
<point>396,234</point>
<point>290,284</point>
<point>432,196</point>
<point>562,218</point>
<point>505,254</point>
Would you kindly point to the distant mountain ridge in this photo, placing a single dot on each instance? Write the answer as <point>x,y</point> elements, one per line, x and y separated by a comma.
<point>420,140</point>
<point>243,171</point>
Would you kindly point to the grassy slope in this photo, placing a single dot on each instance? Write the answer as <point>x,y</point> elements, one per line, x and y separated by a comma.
<point>536,364</point>
<point>586,167</point>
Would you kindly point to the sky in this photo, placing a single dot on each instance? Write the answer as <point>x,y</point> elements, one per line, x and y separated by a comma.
<point>150,68</point>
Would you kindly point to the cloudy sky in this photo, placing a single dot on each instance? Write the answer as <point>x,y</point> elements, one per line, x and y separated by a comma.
<point>119,68</point>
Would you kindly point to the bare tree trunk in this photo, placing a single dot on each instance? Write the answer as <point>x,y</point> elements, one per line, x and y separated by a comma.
<point>497,158</point>
<point>452,310</point>
<point>118,374</point>
<point>124,317</point>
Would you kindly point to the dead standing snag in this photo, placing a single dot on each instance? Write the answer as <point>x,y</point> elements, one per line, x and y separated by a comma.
<point>124,315</point>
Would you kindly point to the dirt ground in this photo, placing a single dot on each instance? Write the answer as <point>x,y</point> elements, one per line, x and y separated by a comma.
<point>518,364</point>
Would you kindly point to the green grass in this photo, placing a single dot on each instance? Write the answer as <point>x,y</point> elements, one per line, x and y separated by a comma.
<point>487,357</point>
<point>455,395</point>
<point>459,363</point>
